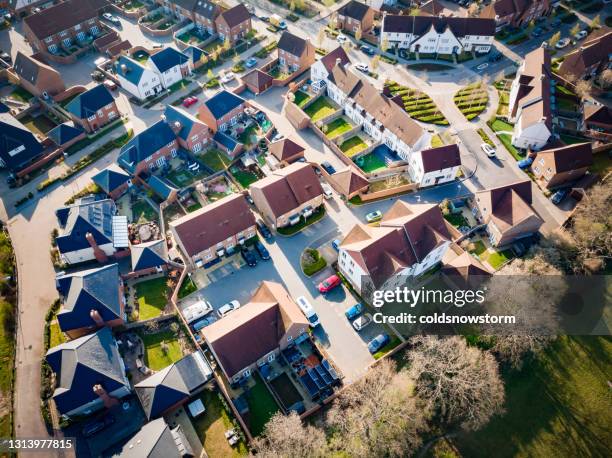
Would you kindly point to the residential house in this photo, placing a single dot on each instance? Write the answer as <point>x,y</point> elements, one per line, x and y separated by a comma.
<point>136,78</point>
<point>321,69</point>
<point>596,118</point>
<point>435,166</point>
<point>113,180</point>
<point>462,266</point>
<point>197,57</point>
<point>181,9</point>
<point>257,81</point>
<point>411,239</point>
<point>433,8</point>
<point>162,188</point>
<point>530,101</point>
<point>255,333</point>
<point>286,151</point>
<point>437,35</point>
<point>295,54</point>
<point>191,133</point>
<point>592,57</point>
<point>515,13</point>
<point>350,182</point>
<point>150,149</point>
<point>156,439</point>
<point>91,299</point>
<point>21,8</point>
<point>204,14</point>
<point>90,230</point>
<point>149,257</point>
<point>173,385</point>
<point>66,134</point>
<point>233,24</point>
<point>19,147</point>
<point>214,230</point>
<point>89,372</point>
<point>170,65</point>
<point>288,194</point>
<point>222,110</point>
<point>355,16</point>
<point>507,212</point>
<point>64,24</point>
<point>93,108</point>
<point>561,166</point>
<point>37,77</point>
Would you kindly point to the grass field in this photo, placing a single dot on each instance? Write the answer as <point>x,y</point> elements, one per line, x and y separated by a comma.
<point>245,178</point>
<point>559,405</point>
<point>602,163</point>
<point>301,98</point>
<point>499,125</point>
<point>320,109</point>
<point>417,104</point>
<point>7,341</point>
<point>187,288</point>
<point>371,163</point>
<point>436,141</point>
<point>337,127</point>
<point>152,297</point>
<point>261,406</point>
<point>472,100</point>
<point>215,159</point>
<point>56,336</point>
<point>155,358</point>
<point>353,146</point>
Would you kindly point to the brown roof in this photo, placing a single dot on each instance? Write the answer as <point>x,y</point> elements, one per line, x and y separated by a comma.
<point>594,51</point>
<point>63,16</point>
<point>107,39</point>
<point>213,223</point>
<point>419,25</point>
<point>350,181</point>
<point>599,114</point>
<point>288,188</point>
<point>255,329</point>
<point>457,262</point>
<point>440,158</point>
<point>432,8</point>
<point>285,149</point>
<point>292,44</point>
<point>330,59</point>
<point>571,157</point>
<point>257,78</point>
<point>121,46</point>
<point>354,10</point>
<point>534,90</point>
<point>29,68</point>
<point>236,15</point>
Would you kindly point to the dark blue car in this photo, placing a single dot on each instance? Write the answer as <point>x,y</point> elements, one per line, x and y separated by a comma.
<point>525,163</point>
<point>336,244</point>
<point>378,342</point>
<point>354,311</point>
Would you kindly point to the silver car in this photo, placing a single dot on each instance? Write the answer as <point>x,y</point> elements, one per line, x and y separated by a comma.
<point>228,308</point>
<point>362,321</point>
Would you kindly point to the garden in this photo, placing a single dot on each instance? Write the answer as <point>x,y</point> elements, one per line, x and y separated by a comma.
<point>472,100</point>
<point>337,127</point>
<point>187,287</point>
<point>192,37</point>
<point>262,405</point>
<point>21,95</point>
<point>353,146</point>
<point>494,258</point>
<point>317,214</point>
<point>39,125</point>
<point>216,160</point>
<point>504,130</point>
<point>143,212</point>
<point>160,348</point>
<point>320,108</point>
<point>416,103</point>
<point>503,89</point>
<point>312,261</point>
<point>300,98</point>
<point>152,297</point>
<point>244,177</point>
<point>370,163</point>
<point>7,333</point>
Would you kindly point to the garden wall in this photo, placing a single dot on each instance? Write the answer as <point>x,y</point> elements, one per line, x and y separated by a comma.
<point>134,14</point>
<point>388,192</point>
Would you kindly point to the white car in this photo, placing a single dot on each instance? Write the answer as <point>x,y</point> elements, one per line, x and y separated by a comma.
<point>365,68</point>
<point>327,191</point>
<point>580,35</point>
<point>362,322</point>
<point>111,18</point>
<point>562,43</point>
<point>227,76</point>
<point>341,39</point>
<point>488,149</point>
<point>227,308</point>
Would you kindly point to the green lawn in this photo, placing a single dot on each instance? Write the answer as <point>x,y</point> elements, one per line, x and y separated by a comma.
<point>320,109</point>
<point>187,288</point>
<point>337,127</point>
<point>7,351</point>
<point>245,178</point>
<point>602,164</point>
<point>371,163</point>
<point>498,258</point>
<point>479,248</point>
<point>353,146</point>
<point>436,141</point>
<point>261,406</point>
<point>56,335</point>
<point>183,177</point>
<point>558,405</point>
<point>394,342</point>
<point>155,358</point>
<point>312,261</point>
<point>500,125</point>
<point>152,297</point>
<point>301,98</point>
<point>472,100</point>
<point>316,216</point>
<point>216,160</point>
<point>143,212</point>
<point>249,136</point>
<point>506,139</point>
<point>456,219</point>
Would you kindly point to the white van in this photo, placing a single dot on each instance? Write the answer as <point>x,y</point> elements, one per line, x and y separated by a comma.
<point>196,311</point>
<point>327,192</point>
<point>308,311</point>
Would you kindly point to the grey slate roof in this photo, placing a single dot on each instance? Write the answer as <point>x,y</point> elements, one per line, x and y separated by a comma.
<point>419,25</point>
<point>355,10</point>
<point>110,178</point>
<point>175,114</point>
<point>65,132</point>
<point>157,440</point>
<point>18,145</point>
<point>236,15</point>
<point>87,216</point>
<point>292,44</point>
<point>149,254</point>
<point>161,187</point>
<point>145,144</point>
<point>133,69</point>
<point>89,102</point>
<point>222,103</point>
<point>168,58</point>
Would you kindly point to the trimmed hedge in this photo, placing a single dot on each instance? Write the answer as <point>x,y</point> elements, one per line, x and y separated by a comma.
<point>312,262</point>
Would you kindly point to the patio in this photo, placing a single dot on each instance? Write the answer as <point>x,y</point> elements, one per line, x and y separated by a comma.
<point>180,170</point>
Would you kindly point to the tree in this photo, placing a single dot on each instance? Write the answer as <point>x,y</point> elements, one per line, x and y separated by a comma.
<point>358,34</point>
<point>375,62</point>
<point>605,79</point>
<point>209,74</point>
<point>514,349</point>
<point>377,415</point>
<point>554,39</point>
<point>384,44</point>
<point>227,44</point>
<point>583,88</point>
<point>459,385</point>
<point>292,5</point>
<point>285,436</point>
<point>472,10</point>
<point>575,29</point>
<point>321,37</point>
<point>596,22</point>
<point>333,21</point>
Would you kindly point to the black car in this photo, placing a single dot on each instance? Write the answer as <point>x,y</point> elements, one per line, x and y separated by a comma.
<point>328,168</point>
<point>262,250</point>
<point>248,257</point>
<point>263,229</point>
<point>495,57</point>
<point>366,49</point>
<point>96,426</point>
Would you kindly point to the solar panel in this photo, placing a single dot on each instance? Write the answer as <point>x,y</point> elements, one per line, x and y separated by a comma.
<point>330,369</point>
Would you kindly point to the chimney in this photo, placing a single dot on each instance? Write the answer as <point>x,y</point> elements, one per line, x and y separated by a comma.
<point>107,399</point>
<point>95,315</point>
<point>98,253</point>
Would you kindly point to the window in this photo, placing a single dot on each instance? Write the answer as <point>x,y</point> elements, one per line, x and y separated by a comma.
<point>49,40</point>
<point>271,358</point>
<point>194,138</point>
<point>92,118</point>
<point>247,373</point>
<point>111,115</point>
<point>77,27</point>
<point>169,145</point>
<point>208,257</point>
<point>289,338</point>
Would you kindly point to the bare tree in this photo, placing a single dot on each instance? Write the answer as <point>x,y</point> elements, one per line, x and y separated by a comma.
<point>384,44</point>
<point>358,34</point>
<point>514,349</point>
<point>606,78</point>
<point>472,10</point>
<point>377,416</point>
<point>596,22</point>
<point>459,385</point>
<point>554,39</point>
<point>333,21</point>
<point>285,437</point>
<point>321,37</point>
<point>575,29</point>
<point>583,88</point>
<point>375,62</point>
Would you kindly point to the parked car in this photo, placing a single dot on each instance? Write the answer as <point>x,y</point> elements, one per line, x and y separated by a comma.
<point>189,101</point>
<point>98,425</point>
<point>227,308</point>
<point>362,321</point>
<point>558,196</point>
<point>111,18</point>
<point>374,216</point>
<point>97,75</point>
<point>488,150</point>
<point>378,342</point>
<point>327,191</point>
<point>278,136</point>
<point>580,35</point>
<point>328,284</point>
<point>196,311</point>
<point>525,163</point>
<point>308,311</point>
<point>341,39</point>
<point>362,67</point>
<point>495,57</point>
<point>537,32</point>
<point>482,66</point>
<point>249,199</point>
<point>354,311</point>
<point>555,22</point>
<point>336,244</point>
<point>262,250</point>
<point>263,229</point>
<point>250,62</point>
<point>544,45</point>
<point>6,57</point>
<point>562,43</point>
<point>110,84</point>
<point>227,76</point>
<point>367,50</point>
<point>248,256</point>
<point>328,167</point>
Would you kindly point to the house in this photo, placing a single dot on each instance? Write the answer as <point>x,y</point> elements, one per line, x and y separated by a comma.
<point>21,8</point>
<point>591,58</point>
<point>286,151</point>
<point>64,24</point>
<point>91,299</point>
<point>228,144</point>
<point>37,77</point>
<point>173,385</point>
<point>433,8</point>
<point>222,110</point>
<point>435,166</point>
<point>437,35</point>
<point>204,14</point>
<point>113,180</point>
<point>66,134</point>
<point>530,102</point>
<point>288,194</point>
<point>295,54</point>
<point>321,70</point>
<point>170,65</point>
<point>507,212</point>
<point>557,167</point>
<point>191,133</point>
<point>90,230</point>
<point>355,16</point>
<point>89,372</point>
<point>93,108</point>
<point>149,257</point>
<point>257,81</point>
<point>411,239</point>
<point>156,439</point>
<point>255,333</point>
<point>162,188</point>
<point>233,24</point>
<point>136,78</point>
<point>19,147</point>
<point>596,118</point>
<point>462,267</point>
<point>197,57</point>
<point>150,149</point>
<point>515,13</point>
<point>350,182</point>
<point>214,230</point>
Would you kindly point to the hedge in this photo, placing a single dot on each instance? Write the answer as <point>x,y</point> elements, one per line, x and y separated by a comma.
<point>318,262</point>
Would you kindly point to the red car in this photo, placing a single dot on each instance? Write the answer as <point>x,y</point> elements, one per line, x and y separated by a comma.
<point>189,101</point>
<point>328,284</point>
